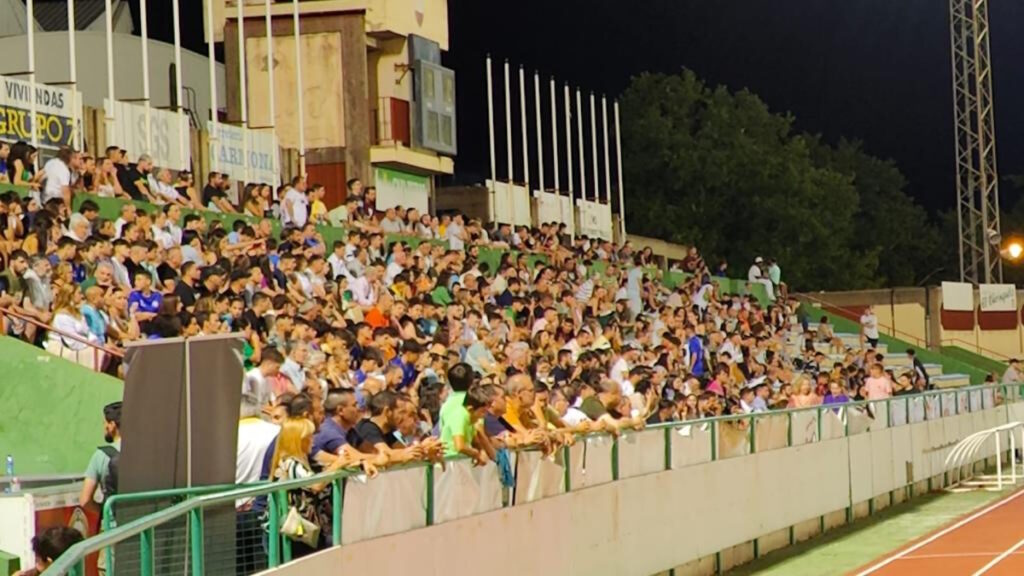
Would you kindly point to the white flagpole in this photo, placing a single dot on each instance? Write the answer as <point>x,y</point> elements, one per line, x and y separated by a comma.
<point>618,161</point>
<point>593,149</point>
<point>143,16</point>
<point>108,117</point>
<point>540,131</point>
<point>490,133</point>
<point>522,127</point>
<point>508,122</point>
<point>76,142</point>
<point>298,89</point>
<point>554,133</point>
<point>607,164</point>
<point>568,162</point>
<point>178,90</point>
<point>30,25</point>
<point>579,134</point>
<point>270,63</point>
<point>243,91</point>
<point>215,128</point>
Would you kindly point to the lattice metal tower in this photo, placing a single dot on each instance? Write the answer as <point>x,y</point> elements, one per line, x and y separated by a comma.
<point>977,185</point>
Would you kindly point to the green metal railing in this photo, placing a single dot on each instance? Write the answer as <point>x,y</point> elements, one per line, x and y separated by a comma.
<point>183,538</point>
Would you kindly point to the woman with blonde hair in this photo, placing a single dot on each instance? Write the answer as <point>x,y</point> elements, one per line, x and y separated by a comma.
<point>291,462</point>
<point>69,323</point>
<point>804,396</point>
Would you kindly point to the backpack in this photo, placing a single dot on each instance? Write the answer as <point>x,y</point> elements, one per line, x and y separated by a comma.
<point>109,482</point>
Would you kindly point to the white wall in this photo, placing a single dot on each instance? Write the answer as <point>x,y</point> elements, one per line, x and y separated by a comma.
<point>649,523</point>
<point>52,66</point>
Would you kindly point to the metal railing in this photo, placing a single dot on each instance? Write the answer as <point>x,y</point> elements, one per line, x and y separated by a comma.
<point>884,328</point>
<point>593,459</point>
<point>97,350</point>
<point>978,348</point>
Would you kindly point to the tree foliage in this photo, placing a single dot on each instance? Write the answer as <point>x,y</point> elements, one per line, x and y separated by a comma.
<point>719,170</point>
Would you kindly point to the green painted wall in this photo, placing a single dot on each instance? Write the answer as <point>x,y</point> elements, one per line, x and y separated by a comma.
<point>51,410</point>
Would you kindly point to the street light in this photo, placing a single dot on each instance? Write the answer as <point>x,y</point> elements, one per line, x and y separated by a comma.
<point>1013,250</point>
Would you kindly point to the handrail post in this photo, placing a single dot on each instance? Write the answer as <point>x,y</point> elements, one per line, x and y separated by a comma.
<point>195,518</point>
<point>430,495</point>
<point>752,440</point>
<point>566,453</point>
<point>714,440</point>
<point>668,448</point>
<point>337,501</point>
<point>615,458</point>
<point>821,423</point>
<point>273,535</point>
<point>789,429</point>
<point>146,540</point>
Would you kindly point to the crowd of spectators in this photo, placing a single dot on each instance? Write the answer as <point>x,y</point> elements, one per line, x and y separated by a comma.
<point>372,353</point>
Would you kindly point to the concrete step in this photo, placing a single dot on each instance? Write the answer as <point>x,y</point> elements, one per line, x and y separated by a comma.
<point>951,381</point>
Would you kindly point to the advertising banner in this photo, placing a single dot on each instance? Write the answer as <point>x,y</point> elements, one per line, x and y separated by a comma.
<point>998,297</point>
<point>230,150</point>
<point>957,296</point>
<point>55,113</point>
<point>552,207</point>
<point>396,188</point>
<point>511,204</point>
<point>595,219</point>
<point>128,130</point>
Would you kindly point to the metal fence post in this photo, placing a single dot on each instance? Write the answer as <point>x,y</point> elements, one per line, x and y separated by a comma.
<point>146,552</point>
<point>566,453</point>
<point>195,518</point>
<point>337,501</point>
<point>752,440</point>
<point>714,440</point>
<point>615,458</point>
<point>668,448</point>
<point>273,534</point>
<point>430,494</point>
<point>821,423</point>
<point>789,429</point>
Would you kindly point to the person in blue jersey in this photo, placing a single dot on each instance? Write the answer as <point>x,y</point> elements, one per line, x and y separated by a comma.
<point>143,302</point>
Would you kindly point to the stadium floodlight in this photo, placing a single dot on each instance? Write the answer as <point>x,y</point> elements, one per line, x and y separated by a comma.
<point>1012,250</point>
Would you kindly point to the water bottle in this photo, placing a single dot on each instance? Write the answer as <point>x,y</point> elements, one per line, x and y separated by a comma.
<point>13,485</point>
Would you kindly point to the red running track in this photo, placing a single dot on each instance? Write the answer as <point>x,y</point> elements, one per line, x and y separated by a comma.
<point>989,541</point>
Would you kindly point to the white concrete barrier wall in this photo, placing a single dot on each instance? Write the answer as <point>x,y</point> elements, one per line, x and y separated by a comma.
<point>651,519</point>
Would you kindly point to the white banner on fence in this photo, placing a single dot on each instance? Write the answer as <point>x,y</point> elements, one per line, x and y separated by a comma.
<point>957,296</point>
<point>55,113</point>
<point>998,297</point>
<point>128,130</point>
<point>553,207</point>
<point>595,219</point>
<point>511,203</point>
<point>230,152</point>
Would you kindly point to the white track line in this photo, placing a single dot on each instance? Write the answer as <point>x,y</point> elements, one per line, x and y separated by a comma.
<point>955,555</point>
<point>999,558</point>
<point>939,534</point>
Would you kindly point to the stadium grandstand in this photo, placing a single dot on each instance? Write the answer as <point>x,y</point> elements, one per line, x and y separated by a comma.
<point>407,389</point>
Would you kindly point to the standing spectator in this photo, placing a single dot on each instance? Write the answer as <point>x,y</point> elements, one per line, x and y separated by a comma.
<point>1012,374</point>
<point>58,171</point>
<point>295,204</point>
<point>102,469</point>
<point>921,378</point>
<point>869,326</point>
<point>456,234</point>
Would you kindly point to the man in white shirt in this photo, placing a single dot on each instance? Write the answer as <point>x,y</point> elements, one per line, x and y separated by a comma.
<point>337,260</point>
<point>455,233</point>
<point>295,206</point>
<point>127,215</point>
<point>869,326</point>
<point>756,275</point>
<point>163,184</point>
<point>364,293</point>
<point>58,175</point>
<point>1012,374</point>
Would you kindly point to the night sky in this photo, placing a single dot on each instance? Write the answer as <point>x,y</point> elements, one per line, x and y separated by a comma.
<point>873,70</point>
